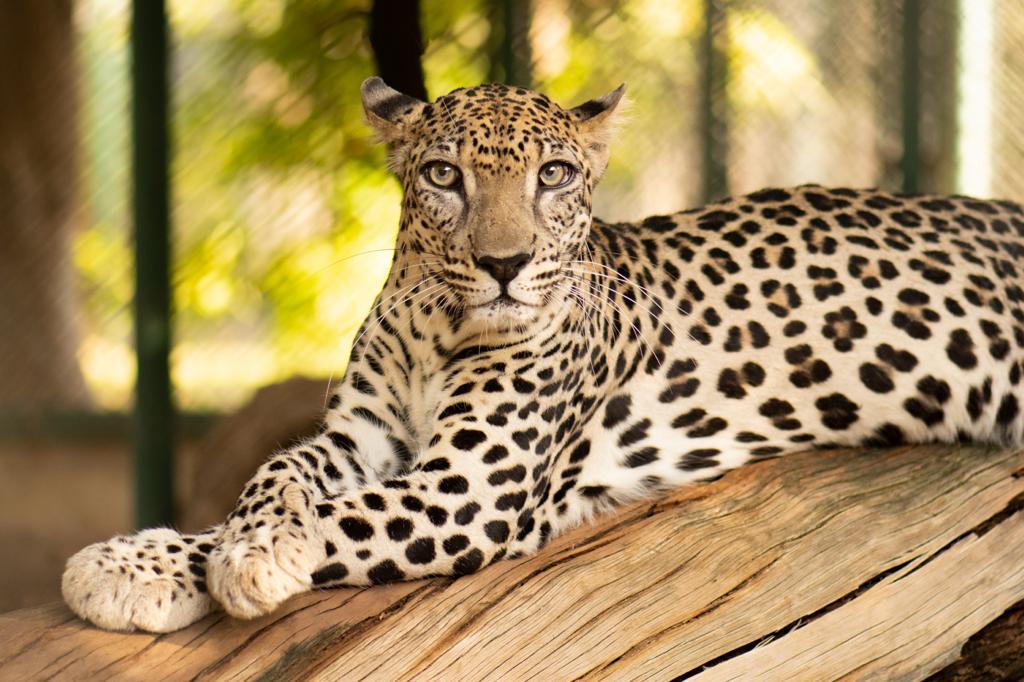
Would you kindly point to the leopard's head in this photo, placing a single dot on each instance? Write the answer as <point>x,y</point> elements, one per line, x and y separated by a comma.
<point>497,193</point>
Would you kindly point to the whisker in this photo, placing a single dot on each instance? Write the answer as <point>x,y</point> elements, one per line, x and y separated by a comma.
<point>638,332</point>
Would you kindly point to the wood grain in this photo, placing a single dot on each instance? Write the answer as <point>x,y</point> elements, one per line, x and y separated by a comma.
<point>846,564</point>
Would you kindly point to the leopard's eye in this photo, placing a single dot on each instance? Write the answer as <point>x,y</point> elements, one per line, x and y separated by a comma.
<point>441,174</point>
<point>555,174</point>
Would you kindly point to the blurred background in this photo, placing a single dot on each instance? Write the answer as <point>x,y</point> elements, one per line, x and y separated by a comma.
<point>191,208</point>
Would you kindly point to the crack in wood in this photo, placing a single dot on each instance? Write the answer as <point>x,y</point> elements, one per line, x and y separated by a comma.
<point>794,625</point>
<point>235,651</point>
<point>1016,504</point>
<point>293,664</point>
<point>710,608</point>
<point>30,644</point>
<point>589,546</point>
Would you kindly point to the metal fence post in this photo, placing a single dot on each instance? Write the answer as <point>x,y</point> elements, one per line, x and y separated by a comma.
<point>154,411</point>
<point>713,122</point>
<point>911,96</point>
<point>510,51</point>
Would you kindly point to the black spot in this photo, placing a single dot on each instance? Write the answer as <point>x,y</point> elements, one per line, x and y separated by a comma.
<point>753,373</point>
<point>592,491</point>
<point>413,504</point>
<point>420,551</point>
<point>464,516</point>
<point>497,531</point>
<point>929,414</point>
<point>511,501</point>
<point>635,433</point>
<point>453,485</point>
<point>708,428</point>
<point>495,454</point>
<point>467,439</point>
<point>960,349</point>
<point>356,528</point>
<point>913,327</point>
<point>616,411</point>
<point>680,367</point>
<point>523,386</point>
<point>374,501</point>
<point>901,360</point>
<point>876,378</point>
<point>838,412</point>
<point>455,409</point>
<point>437,515</point>
<point>641,457</point>
<point>689,418</point>
<point>937,389</point>
<point>438,464</point>
<point>1008,410</point>
<point>580,452</point>
<point>776,408</point>
<point>794,328</point>
<point>682,389</point>
<point>399,529</point>
<point>729,384</point>
<point>385,572</point>
<point>796,355</point>
<point>455,544</point>
<point>515,473</point>
<point>342,442</point>
<point>329,573</point>
<point>768,196</point>
<point>468,562</point>
<point>886,436</point>
<point>703,458</point>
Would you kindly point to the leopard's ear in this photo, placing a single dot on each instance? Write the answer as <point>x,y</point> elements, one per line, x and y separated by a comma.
<point>387,110</point>
<point>595,121</point>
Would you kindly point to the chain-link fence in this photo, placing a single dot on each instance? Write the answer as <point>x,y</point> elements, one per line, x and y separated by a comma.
<point>275,179</point>
<point>282,212</point>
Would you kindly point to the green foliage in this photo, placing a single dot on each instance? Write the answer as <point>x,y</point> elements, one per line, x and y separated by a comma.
<point>284,214</point>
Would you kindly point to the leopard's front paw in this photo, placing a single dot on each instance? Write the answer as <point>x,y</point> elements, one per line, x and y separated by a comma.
<point>252,571</point>
<point>150,581</point>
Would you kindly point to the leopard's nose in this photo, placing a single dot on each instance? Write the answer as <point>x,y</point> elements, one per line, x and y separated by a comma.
<point>504,270</point>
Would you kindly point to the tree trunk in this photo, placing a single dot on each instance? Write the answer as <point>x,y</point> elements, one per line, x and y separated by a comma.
<point>397,43</point>
<point>38,342</point>
<point>823,565</point>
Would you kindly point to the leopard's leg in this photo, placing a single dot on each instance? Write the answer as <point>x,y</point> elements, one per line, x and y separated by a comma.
<point>156,580</point>
<point>470,500</point>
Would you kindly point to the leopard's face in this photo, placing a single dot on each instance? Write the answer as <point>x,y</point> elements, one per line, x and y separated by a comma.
<point>498,184</point>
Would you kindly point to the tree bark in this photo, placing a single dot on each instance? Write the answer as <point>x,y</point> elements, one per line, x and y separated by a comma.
<point>823,565</point>
<point>38,367</point>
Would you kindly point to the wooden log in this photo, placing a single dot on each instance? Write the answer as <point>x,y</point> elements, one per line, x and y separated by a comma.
<point>814,566</point>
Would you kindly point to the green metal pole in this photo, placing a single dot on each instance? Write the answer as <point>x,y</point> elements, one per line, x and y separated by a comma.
<point>516,53</point>
<point>154,410</point>
<point>713,122</point>
<point>911,96</point>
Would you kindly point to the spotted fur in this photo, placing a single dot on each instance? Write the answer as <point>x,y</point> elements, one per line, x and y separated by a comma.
<point>527,366</point>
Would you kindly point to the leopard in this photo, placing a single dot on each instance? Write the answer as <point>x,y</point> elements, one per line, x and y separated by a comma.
<point>527,366</point>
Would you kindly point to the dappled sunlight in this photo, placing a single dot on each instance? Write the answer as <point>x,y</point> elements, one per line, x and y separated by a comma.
<point>284,214</point>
